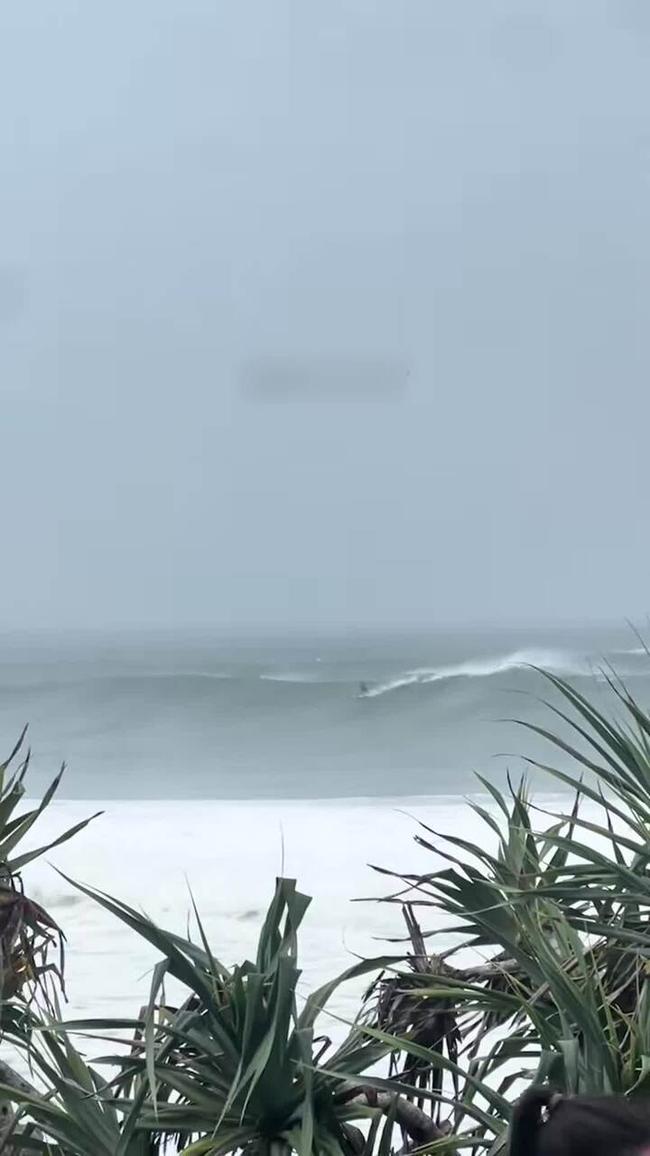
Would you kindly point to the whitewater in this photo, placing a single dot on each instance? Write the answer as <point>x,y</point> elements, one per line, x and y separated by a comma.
<point>228,853</point>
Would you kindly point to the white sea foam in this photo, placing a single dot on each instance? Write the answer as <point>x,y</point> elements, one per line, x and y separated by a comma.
<point>229,853</point>
<point>559,662</point>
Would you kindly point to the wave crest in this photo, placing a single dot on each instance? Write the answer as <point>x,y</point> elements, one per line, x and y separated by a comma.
<point>557,662</point>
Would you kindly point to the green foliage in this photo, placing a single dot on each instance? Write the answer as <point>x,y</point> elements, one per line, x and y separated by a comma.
<point>559,913</point>
<point>237,1065</point>
<point>81,1114</point>
<point>27,931</point>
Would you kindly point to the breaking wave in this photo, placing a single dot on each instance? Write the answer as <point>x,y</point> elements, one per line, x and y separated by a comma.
<point>558,662</point>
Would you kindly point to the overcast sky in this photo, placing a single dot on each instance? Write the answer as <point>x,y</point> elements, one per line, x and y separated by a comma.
<point>324,313</point>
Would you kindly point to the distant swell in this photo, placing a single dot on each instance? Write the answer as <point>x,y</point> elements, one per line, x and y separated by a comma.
<point>556,661</point>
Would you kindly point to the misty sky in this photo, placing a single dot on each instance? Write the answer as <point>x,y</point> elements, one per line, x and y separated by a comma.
<point>446,200</point>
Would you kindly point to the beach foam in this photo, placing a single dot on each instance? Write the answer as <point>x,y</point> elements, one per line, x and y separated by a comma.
<point>147,853</point>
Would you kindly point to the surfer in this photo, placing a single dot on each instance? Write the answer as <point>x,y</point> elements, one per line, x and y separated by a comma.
<point>363,689</point>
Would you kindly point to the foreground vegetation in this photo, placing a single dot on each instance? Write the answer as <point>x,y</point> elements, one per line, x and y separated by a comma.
<point>547,981</point>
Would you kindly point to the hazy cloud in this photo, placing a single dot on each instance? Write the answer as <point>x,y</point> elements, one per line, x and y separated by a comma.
<point>428,219</point>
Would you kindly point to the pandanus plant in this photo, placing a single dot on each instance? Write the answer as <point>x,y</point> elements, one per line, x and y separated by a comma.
<point>554,904</point>
<point>31,942</point>
<point>236,1066</point>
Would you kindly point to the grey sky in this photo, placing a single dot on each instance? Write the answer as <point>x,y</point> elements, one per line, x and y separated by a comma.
<point>459,190</point>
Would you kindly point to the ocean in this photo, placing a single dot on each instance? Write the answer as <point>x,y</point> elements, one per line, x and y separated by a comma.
<point>363,716</point>
<point>220,763</point>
